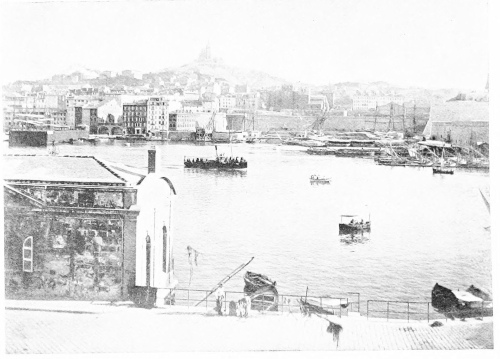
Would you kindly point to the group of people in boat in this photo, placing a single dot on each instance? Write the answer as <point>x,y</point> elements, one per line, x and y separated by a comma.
<point>219,161</point>
<point>318,178</point>
<point>358,223</point>
<point>231,160</point>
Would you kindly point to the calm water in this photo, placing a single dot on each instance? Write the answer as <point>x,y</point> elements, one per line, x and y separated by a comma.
<point>425,228</point>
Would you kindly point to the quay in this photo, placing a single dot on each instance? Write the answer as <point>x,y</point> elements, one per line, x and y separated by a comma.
<point>48,327</point>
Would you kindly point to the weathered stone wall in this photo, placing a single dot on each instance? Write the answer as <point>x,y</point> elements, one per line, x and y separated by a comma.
<point>461,132</point>
<point>28,138</point>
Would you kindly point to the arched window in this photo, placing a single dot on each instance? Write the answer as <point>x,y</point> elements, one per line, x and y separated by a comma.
<point>28,254</point>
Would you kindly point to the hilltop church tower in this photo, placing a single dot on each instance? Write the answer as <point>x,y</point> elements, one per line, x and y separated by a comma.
<point>205,54</point>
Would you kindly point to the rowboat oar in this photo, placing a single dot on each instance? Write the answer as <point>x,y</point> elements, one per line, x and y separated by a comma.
<point>225,279</point>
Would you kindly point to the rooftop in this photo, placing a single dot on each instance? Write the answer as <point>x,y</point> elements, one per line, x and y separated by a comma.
<point>460,111</point>
<point>59,169</point>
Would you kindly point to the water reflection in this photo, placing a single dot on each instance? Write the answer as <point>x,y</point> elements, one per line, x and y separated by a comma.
<point>350,239</point>
<point>216,172</point>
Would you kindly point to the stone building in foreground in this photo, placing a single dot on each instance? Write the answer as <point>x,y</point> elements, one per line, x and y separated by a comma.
<point>78,228</point>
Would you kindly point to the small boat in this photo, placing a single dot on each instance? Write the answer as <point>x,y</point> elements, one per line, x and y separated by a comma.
<point>443,170</point>
<point>262,292</point>
<point>319,179</point>
<point>307,306</point>
<point>472,302</point>
<point>355,225</point>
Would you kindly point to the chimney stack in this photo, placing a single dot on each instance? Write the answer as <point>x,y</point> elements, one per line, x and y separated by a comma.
<point>152,160</point>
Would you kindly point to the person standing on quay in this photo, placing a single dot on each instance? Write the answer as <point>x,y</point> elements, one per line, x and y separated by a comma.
<point>219,294</point>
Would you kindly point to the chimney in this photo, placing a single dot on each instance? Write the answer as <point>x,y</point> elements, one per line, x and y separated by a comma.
<point>152,160</point>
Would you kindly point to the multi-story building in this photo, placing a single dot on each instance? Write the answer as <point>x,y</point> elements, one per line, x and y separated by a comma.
<point>192,106</point>
<point>367,101</point>
<point>288,97</point>
<point>95,113</point>
<point>89,117</point>
<point>188,121</point>
<point>157,114</point>
<point>74,105</point>
<point>248,102</point>
<point>227,102</point>
<point>135,117</point>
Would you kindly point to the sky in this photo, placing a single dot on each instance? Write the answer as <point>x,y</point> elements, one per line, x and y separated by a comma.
<point>425,43</point>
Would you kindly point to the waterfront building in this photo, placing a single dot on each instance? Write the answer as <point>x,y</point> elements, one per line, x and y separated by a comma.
<point>188,121</point>
<point>74,105</point>
<point>157,115</point>
<point>367,101</point>
<point>80,228</point>
<point>464,123</point>
<point>135,116</point>
<point>102,112</point>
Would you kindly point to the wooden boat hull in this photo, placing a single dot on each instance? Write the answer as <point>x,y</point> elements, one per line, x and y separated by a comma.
<point>262,292</point>
<point>308,308</point>
<point>320,181</point>
<point>216,165</point>
<point>356,228</point>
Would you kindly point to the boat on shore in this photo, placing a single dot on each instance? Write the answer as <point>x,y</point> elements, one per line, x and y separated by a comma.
<point>262,292</point>
<point>355,225</point>
<point>472,302</point>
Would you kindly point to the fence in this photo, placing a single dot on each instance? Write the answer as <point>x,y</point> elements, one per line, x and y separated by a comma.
<point>286,303</point>
<point>420,311</point>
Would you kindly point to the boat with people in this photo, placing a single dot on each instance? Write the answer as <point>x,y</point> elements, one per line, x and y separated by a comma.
<point>319,179</point>
<point>352,223</point>
<point>472,302</point>
<point>262,292</point>
<point>220,162</point>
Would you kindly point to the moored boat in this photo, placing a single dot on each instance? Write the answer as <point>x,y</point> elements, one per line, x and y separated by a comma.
<point>262,291</point>
<point>472,302</point>
<point>443,170</point>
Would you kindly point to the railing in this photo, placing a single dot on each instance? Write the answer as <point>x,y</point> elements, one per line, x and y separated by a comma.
<point>287,303</point>
<point>399,310</point>
<point>421,311</point>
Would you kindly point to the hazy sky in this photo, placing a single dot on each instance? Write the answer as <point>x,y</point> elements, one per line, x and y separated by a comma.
<point>430,43</point>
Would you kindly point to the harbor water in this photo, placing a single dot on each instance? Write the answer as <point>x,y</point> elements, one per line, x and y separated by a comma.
<point>425,228</point>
